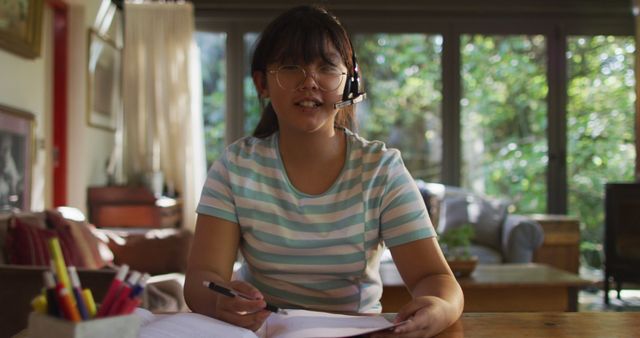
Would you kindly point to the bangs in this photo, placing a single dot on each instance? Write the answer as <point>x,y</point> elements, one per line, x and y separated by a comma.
<point>306,39</point>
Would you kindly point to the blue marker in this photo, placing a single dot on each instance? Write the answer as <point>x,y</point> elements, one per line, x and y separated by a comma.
<point>77,292</point>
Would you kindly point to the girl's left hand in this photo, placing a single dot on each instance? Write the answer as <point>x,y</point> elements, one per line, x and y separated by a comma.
<point>425,316</point>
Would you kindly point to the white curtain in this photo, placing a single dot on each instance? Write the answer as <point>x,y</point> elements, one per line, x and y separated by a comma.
<point>162,99</point>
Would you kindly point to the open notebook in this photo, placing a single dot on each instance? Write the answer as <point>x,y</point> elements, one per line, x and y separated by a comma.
<point>296,324</point>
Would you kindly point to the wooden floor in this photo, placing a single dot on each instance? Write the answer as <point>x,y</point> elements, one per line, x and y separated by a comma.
<point>500,288</point>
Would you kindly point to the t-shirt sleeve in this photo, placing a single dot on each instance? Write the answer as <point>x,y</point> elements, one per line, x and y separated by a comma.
<point>404,217</point>
<point>217,196</point>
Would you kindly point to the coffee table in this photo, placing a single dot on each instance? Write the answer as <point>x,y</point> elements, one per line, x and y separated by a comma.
<point>528,287</point>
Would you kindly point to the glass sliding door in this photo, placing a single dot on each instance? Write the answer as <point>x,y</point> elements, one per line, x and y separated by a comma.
<point>504,118</point>
<point>402,76</point>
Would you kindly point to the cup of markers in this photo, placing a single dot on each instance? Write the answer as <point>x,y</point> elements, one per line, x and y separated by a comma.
<point>64,297</point>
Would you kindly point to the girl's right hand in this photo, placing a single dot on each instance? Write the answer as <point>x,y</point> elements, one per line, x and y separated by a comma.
<point>242,312</point>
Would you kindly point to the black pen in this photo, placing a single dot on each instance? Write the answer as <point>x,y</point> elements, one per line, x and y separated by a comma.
<point>232,293</point>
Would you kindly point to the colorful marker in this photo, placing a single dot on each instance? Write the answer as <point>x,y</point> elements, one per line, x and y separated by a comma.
<point>58,259</point>
<point>135,297</point>
<point>91,304</point>
<point>53,308</point>
<point>77,293</point>
<point>39,304</point>
<point>66,303</point>
<point>123,294</point>
<point>112,293</point>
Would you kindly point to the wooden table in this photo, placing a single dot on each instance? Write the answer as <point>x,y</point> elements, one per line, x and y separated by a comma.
<point>544,325</point>
<point>500,288</point>
<point>533,325</point>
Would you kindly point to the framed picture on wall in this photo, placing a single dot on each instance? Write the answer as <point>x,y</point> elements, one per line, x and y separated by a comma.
<point>104,82</point>
<point>17,144</point>
<point>21,27</point>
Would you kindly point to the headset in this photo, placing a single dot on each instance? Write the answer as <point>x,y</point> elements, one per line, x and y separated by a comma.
<point>351,94</point>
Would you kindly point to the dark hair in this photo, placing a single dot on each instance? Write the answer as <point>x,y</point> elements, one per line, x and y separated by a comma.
<point>300,35</point>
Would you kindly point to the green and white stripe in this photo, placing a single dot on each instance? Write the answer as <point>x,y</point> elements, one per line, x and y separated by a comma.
<point>316,251</point>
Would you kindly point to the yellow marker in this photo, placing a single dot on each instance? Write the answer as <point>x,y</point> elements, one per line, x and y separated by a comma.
<point>39,304</point>
<point>58,260</point>
<point>91,304</point>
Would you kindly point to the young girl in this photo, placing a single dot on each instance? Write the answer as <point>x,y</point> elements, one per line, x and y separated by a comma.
<point>309,203</point>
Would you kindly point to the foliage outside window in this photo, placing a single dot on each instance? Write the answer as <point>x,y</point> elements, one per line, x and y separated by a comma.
<point>504,118</point>
<point>402,77</point>
<point>213,65</point>
<point>600,129</point>
<point>252,107</point>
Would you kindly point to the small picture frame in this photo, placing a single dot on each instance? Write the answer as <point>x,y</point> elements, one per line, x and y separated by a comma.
<point>21,27</point>
<point>104,82</point>
<point>17,145</point>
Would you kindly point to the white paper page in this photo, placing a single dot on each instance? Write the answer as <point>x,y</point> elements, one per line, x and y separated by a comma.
<point>307,324</point>
<point>187,324</point>
<point>145,315</point>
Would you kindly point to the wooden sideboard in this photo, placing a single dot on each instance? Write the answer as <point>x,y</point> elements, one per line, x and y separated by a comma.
<point>561,246</point>
<point>131,207</point>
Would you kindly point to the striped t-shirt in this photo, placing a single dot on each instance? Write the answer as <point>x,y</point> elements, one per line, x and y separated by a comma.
<point>319,252</point>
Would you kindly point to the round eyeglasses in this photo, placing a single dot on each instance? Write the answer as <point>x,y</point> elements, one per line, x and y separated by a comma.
<point>291,77</point>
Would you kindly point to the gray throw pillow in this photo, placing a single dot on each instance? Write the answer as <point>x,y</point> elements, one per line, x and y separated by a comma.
<point>486,215</point>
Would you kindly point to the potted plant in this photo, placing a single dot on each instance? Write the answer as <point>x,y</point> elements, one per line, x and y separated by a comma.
<point>456,244</point>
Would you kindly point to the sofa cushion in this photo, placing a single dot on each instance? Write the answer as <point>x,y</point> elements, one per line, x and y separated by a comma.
<point>486,215</point>
<point>57,223</point>
<point>485,254</point>
<point>94,253</point>
<point>27,244</point>
<point>36,219</point>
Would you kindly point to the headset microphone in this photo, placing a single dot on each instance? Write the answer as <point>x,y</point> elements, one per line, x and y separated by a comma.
<point>344,103</point>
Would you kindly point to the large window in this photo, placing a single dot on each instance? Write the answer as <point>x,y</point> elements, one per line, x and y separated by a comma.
<point>497,103</point>
<point>504,118</point>
<point>213,64</point>
<point>402,77</point>
<point>600,126</point>
<point>252,109</point>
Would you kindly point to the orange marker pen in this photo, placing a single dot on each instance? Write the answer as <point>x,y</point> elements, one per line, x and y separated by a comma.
<point>66,303</point>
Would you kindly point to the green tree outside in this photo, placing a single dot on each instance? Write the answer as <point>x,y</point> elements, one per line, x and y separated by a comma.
<point>213,65</point>
<point>600,129</point>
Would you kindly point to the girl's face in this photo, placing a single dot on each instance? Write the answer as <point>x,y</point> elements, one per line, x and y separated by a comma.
<point>303,95</point>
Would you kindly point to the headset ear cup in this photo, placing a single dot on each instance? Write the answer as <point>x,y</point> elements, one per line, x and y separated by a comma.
<point>355,85</point>
<point>347,89</point>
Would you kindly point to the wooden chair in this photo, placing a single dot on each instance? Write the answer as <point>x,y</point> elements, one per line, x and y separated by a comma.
<point>622,235</point>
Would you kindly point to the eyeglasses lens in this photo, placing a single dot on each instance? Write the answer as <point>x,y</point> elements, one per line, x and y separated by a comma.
<point>292,77</point>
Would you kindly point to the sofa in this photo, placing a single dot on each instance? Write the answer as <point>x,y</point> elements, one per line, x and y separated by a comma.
<point>95,252</point>
<point>499,235</point>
